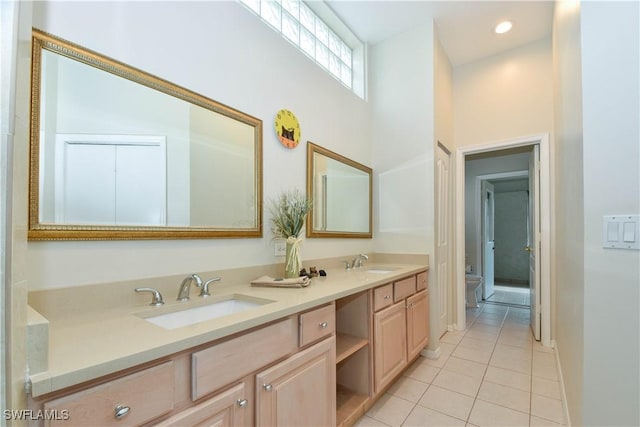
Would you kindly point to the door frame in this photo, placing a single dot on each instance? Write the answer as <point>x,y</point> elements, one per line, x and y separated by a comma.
<point>542,140</point>
<point>478,197</point>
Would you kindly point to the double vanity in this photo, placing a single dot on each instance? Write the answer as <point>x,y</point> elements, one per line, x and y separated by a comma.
<point>318,355</point>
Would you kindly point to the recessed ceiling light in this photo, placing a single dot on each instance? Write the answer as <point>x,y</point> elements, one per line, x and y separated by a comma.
<point>503,27</point>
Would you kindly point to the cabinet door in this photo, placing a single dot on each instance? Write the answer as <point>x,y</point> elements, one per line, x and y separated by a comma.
<point>230,408</point>
<point>300,391</point>
<point>417,323</point>
<point>390,344</point>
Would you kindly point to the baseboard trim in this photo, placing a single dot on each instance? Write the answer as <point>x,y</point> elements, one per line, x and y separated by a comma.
<point>565,407</point>
<point>431,354</point>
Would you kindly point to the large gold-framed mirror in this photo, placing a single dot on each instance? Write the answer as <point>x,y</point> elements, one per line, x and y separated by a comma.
<point>341,191</point>
<point>117,153</point>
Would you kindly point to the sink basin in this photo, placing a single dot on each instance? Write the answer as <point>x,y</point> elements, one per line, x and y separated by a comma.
<point>380,270</point>
<point>224,306</point>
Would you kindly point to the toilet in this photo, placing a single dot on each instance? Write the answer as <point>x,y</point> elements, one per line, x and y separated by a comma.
<point>473,283</point>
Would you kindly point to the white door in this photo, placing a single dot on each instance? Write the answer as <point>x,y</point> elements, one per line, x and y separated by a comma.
<point>533,237</point>
<point>443,236</point>
<point>488,243</point>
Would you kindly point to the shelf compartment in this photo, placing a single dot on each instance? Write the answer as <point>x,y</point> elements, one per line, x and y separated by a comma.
<point>350,405</point>
<point>346,345</point>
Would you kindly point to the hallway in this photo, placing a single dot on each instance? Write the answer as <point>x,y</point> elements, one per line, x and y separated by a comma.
<point>492,374</point>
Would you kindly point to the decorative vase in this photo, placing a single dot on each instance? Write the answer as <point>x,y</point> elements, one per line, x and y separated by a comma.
<point>292,261</point>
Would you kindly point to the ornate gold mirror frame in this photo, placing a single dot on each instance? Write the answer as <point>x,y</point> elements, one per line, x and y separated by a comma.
<point>341,191</point>
<point>219,193</point>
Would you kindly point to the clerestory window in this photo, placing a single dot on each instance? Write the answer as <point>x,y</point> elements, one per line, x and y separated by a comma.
<point>306,30</point>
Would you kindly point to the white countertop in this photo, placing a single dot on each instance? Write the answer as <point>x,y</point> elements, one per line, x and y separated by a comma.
<point>87,345</point>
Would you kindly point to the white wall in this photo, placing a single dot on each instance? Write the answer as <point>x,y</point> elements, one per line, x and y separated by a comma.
<point>569,195</point>
<point>401,88</point>
<point>504,96</point>
<point>221,50</point>
<point>611,156</point>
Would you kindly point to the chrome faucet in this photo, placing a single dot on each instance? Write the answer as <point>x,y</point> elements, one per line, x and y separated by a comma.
<point>204,291</point>
<point>183,293</point>
<point>156,300</point>
<point>357,261</point>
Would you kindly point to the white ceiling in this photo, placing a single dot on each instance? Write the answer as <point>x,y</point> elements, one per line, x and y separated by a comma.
<point>465,28</point>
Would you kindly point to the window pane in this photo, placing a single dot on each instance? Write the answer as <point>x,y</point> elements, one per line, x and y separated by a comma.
<point>334,64</point>
<point>290,28</point>
<point>345,75</point>
<point>322,32</point>
<point>322,55</point>
<point>345,55</point>
<point>271,13</point>
<point>307,17</point>
<point>307,42</point>
<point>292,6</point>
<point>334,43</point>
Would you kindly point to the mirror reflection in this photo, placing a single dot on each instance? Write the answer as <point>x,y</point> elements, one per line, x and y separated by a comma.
<point>118,153</point>
<point>341,193</point>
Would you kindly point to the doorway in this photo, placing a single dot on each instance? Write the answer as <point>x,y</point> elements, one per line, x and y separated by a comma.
<point>504,218</point>
<point>540,247</point>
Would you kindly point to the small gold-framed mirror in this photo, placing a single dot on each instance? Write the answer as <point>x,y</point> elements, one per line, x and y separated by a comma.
<point>341,191</point>
<point>117,153</point>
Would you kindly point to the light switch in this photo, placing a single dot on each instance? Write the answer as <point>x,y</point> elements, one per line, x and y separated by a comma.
<point>629,232</point>
<point>621,231</point>
<point>613,228</point>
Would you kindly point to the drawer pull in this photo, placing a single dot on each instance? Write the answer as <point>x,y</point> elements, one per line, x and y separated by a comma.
<point>267,387</point>
<point>120,411</point>
<point>387,297</point>
<point>323,325</point>
<point>242,402</point>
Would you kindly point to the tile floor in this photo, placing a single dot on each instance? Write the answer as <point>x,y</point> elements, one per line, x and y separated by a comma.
<point>492,374</point>
<point>510,295</point>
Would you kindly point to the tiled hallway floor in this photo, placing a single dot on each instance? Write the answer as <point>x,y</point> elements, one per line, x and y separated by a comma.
<point>492,374</point>
<point>510,295</point>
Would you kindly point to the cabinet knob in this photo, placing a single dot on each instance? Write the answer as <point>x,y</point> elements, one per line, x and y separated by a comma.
<point>120,411</point>
<point>323,325</point>
<point>387,297</point>
<point>267,387</point>
<point>242,402</point>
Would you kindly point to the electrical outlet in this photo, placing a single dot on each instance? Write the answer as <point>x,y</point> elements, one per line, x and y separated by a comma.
<point>280,249</point>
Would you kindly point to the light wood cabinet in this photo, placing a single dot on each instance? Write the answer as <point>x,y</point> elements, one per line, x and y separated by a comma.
<point>400,331</point>
<point>390,343</point>
<point>230,408</point>
<point>299,391</point>
<point>417,323</point>
<point>127,401</point>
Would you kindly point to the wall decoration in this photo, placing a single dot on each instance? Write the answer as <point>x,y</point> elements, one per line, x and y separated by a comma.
<point>288,128</point>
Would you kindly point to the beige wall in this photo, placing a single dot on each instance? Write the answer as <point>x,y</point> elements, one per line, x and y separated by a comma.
<point>569,191</point>
<point>505,96</point>
<point>611,157</point>
<point>15,275</point>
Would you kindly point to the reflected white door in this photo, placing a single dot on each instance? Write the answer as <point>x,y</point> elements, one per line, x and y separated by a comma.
<point>488,243</point>
<point>110,180</point>
<point>443,236</point>
<point>533,237</point>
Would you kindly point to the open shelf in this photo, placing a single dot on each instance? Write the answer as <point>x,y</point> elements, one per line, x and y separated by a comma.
<point>350,404</point>
<point>346,345</point>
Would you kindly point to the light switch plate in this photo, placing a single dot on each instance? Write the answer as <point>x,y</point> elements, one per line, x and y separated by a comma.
<point>621,232</point>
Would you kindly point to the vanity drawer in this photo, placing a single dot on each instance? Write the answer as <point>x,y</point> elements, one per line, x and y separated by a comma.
<point>382,297</point>
<point>316,324</point>
<point>148,394</point>
<point>221,364</point>
<point>404,288</point>
<point>422,281</point>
